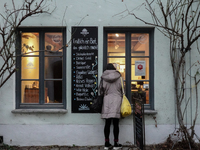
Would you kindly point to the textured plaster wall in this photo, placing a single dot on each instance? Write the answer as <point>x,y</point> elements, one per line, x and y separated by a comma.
<point>64,129</point>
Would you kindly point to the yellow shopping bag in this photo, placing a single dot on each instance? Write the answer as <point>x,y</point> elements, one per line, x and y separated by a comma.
<point>126,109</point>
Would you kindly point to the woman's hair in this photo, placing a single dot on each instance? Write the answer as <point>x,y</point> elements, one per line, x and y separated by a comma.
<point>110,67</point>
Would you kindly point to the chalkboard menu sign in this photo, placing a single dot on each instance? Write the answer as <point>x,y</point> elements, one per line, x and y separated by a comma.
<point>84,68</point>
<point>139,123</point>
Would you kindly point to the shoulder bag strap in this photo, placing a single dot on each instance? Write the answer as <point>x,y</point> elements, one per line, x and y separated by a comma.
<point>122,85</point>
<point>101,90</point>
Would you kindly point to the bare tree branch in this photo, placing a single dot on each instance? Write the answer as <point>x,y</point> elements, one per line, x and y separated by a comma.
<point>11,20</point>
<point>180,23</point>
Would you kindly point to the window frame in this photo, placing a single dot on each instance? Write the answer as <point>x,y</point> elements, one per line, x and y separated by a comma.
<point>40,105</point>
<point>128,31</point>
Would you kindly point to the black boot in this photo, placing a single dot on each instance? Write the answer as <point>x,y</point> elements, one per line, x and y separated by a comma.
<point>107,145</point>
<point>117,146</point>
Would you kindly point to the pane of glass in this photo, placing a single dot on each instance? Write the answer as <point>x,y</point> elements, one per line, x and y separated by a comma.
<point>140,90</point>
<point>30,43</point>
<point>53,43</point>
<point>119,63</point>
<point>139,68</point>
<point>30,67</point>
<point>53,91</point>
<point>30,92</point>
<point>116,44</point>
<point>140,44</point>
<point>53,67</point>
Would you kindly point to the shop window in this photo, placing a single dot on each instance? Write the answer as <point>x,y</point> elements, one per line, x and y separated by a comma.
<point>40,79</point>
<point>131,51</point>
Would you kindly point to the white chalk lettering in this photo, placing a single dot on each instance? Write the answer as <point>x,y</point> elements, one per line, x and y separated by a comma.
<point>80,62</point>
<point>93,41</point>
<point>83,67</point>
<point>81,94</point>
<point>79,76</point>
<point>90,80</point>
<point>80,85</point>
<point>88,58</point>
<point>79,58</point>
<point>89,85</point>
<point>81,72</point>
<point>92,72</point>
<point>80,81</point>
<point>78,41</point>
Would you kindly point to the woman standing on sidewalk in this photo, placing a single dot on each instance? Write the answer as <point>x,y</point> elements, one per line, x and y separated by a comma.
<point>111,104</point>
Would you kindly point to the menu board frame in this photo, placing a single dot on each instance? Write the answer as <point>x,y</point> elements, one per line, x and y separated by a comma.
<point>84,68</point>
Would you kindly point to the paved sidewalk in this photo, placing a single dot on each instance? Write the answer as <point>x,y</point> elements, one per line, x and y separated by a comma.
<point>63,148</point>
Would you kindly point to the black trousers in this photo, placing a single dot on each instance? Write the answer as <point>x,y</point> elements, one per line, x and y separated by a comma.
<point>115,128</point>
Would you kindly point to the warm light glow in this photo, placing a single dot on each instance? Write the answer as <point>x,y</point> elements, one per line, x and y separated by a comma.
<point>134,83</point>
<point>117,66</point>
<point>30,65</point>
<point>116,46</point>
<point>30,51</point>
<point>31,59</point>
<point>117,35</point>
<point>122,67</point>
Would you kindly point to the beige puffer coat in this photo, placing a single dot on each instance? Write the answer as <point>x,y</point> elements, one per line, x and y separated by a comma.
<point>112,94</point>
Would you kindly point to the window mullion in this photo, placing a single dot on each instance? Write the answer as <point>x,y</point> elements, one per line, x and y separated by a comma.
<point>41,68</point>
<point>128,65</point>
<point>151,70</point>
<point>64,70</point>
<point>18,74</point>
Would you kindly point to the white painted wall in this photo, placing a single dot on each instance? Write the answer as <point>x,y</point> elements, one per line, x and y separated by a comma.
<point>87,129</point>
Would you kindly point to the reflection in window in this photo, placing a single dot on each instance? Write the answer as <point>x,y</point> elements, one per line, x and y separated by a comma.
<point>53,91</point>
<point>116,51</point>
<point>53,42</point>
<point>30,43</point>
<point>53,67</point>
<point>140,90</point>
<point>138,54</point>
<point>140,66</point>
<point>119,64</point>
<point>116,44</point>
<point>30,66</point>
<point>140,44</point>
<point>30,91</point>
<point>54,88</point>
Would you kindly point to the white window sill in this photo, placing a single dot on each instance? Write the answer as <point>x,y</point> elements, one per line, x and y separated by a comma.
<point>150,112</point>
<point>39,111</point>
<point>60,111</point>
